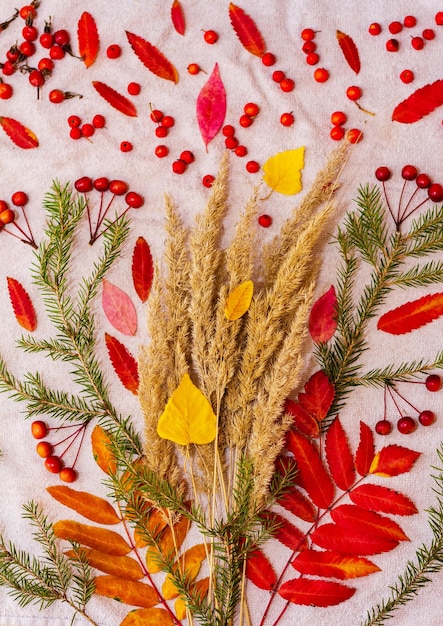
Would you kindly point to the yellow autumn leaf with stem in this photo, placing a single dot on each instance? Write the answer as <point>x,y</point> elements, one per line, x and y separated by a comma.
<point>239,300</point>
<point>282,172</point>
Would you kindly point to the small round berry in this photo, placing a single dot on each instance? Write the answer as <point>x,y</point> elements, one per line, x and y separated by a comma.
<point>307,34</point>
<point>28,12</point>
<point>134,89</point>
<point>161,151</point>
<point>382,173</point>
<point>433,382</point>
<point>210,36</point>
<point>6,91</point>
<point>252,167</point>
<point>383,427</point>
<point>409,172</point>
<point>101,184</point>
<point>208,180</point>
<point>75,133</point>
<point>354,135</point>
<point>13,53</point>
<point>407,76</point>
<point>134,200</point>
<point>19,198</point>
<point>30,33</point>
<point>409,21</point>
<point>98,121</point>
<point>118,187</point>
<point>3,205</point>
<point>435,192</point>
<point>426,418</point>
<point>265,220</point>
<point>53,464</point>
<point>251,109</point>
<point>428,34</point>
<point>423,181</point>
<point>62,37</point>
<point>241,151</point>
<point>46,40</point>
<point>287,85</point>
<point>287,119</point>
<point>46,65</point>
<point>309,46</point>
<point>88,130</point>
<point>156,115</point>
<point>395,27</point>
<point>68,475</point>
<point>338,118</point>
<point>179,166</point>
<point>321,75</point>
<point>337,133</point>
<point>312,58</point>
<point>56,96</point>
<point>56,52</point>
<point>392,45</point>
<point>231,143</point>
<point>167,121</point>
<point>406,425</point>
<point>126,146</point>
<point>228,130</point>
<point>7,216</point>
<point>193,69</point>
<point>278,76</point>
<point>44,449</point>
<point>353,92</point>
<point>37,79</point>
<point>417,43</point>
<point>439,18</point>
<point>161,132</point>
<point>39,429</point>
<point>245,121</point>
<point>113,51</point>
<point>268,59</point>
<point>187,156</point>
<point>374,29</point>
<point>83,184</point>
<point>27,48</point>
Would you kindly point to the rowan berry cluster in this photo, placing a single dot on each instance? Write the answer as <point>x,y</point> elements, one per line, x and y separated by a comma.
<point>87,129</point>
<point>8,217</point>
<point>417,41</point>
<point>46,450</point>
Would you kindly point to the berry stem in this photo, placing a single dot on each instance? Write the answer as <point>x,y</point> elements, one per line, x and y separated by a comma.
<point>96,236</point>
<point>405,400</point>
<point>101,216</point>
<point>389,206</point>
<point>395,402</point>
<point>363,109</point>
<point>29,240</point>
<point>404,217</point>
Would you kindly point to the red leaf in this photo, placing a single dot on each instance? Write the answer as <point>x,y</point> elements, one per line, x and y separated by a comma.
<point>339,456</point>
<point>22,137</point>
<point>142,268</point>
<point>259,570</point>
<point>88,41</point>
<point>246,31</point>
<point>412,315</point>
<point>322,320</point>
<point>393,460</point>
<point>333,564</point>
<point>349,50</point>
<point>288,534</point>
<point>298,504</point>
<point>315,592</point>
<point>115,99</point>
<point>420,103</point>
<point>365,451</point>
<point>316,479</point>
<point>152,58</point>
<point>123,362</point>
<point>211,106</point>
<point>178,17</point>
<point>350,516</point>
<point>332,537</point>
<point>379,498</point>
<point>303,421</point>
<point>21,304</point>
<point>119,309</point>
<point>318,396</point>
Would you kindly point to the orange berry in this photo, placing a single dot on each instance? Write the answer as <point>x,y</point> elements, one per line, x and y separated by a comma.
<point>44,449</point>
<point>68,475</point>
<point>38,429</point>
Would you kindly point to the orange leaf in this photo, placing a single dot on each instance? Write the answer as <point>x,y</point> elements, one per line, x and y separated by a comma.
<point>259,570</point>
<point>412,315</point>
<point>123,566</point>
<point>126,591</point>
<point>21,304</point>
<point>315,592</point>
<point>285,532</point>
<point>156,522</point>
<point>353,541</point>
<point>148,617</point>
<point>339,456</point>
<point>88,41</point>
<point>349,50</point>
<point>379,498</point>
<point>98,538</point>
<point>420,103</point>
<point>178,17</point>
<point>152,58</point>
<point>103,456</point>
<point>298,504</point>
<point>19,134</point>
<point>333,564</point>
<point>393,460</point>
<point>188,563</point>
<point>124,364</point>
<point>350,516</point>
<point>365,451</point>
<point>119,308</point>
<point>142,268</point>
<point>200,588</point>
<point>246,31</point>
<point>92,507</point>
<point>318,395</point>
<point>115,99</point>
<point>322,319</point>
<point>303,421</point>
<point>169,542</point>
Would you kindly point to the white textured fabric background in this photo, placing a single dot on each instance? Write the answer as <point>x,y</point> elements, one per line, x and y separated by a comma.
<point>245,79</point>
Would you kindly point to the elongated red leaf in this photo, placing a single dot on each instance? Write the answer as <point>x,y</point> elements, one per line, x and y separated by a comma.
<point>393,460</point>
<point>420,103</point>
<point>152,58</point>
<point>315,592</point>
<point>211,106</point>
<point>303,421</point>
<point>260,571</point>
<point>332,537</point>
<point>350,516</point>
<point>119,309</point>
<point>383,499</point>
<point>88,40</point>
<point>333,564</point>
<point>285,532</point>
<point>115,99</point>
<point>123,362</point>
<point>178,17</point>
<point>318,395</point>
<point>322,319</point>
<point>142,268</point>
<point>412,315</point>
<point>339,456</point>
<point>246,31</point>
<point>21,304</point>
<point>316,479</point>
<point>22,137</point>
<point>349,50</point>
<point>365,451</point>
<point>298,504</point>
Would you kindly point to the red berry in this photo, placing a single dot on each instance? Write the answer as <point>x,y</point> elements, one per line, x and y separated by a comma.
<point>410,21</point>
<point>439,18</point>
<point>395,27</point>
<point>265,220</point>
<point>75,133</point>
<point>156,115</point>
<point>56,52</point>
<point>28,12</point>
<point>287,119</point>
<point>231,143</point>
<point>179,166</point>
<point>321,75</point>
<point>426,418</point>
<point>113,51</point>
<point>433,382</point>
<point>309,46</point>
<point>337,133</point>
<point>7,216</point>
<point>287,85</point>
<point>251,109</point>
<point>126,146</point>
<point>407,76</point>
<point>101,184</point>
<point>36,78</point>
<point>98,121</point>
<point>383,427</point>
<point>134,89</point>
<point>56,96</point>
<point>193,69</point>
<point>44,449</point>
<point>27,48</point>
<point>241,151</point>
<point>62,37</point>
<point>338,118</point>
<point>118,187</point>
<point>39,429</point>
<point>46,40</point>
<point>278,76</point>
<point>8,68</point>
<point>134,200</point>
<point>307,34</point>
<point>210,36</point>
<point>382,173</point>
<point>428,34</point>
<point>392,45</point>
<point>87,130</point>
<point>161,151</point>
<point>30,33</point>
<point>5,91</point>
<point>268,59</point>
<point>417,43</point>
<point>187,156</point>
<point>228,130</point>
<point>167,121</point>
<point>406,425</point>
<point>252,167</point>
<point>312,58</point>
<point>409,172</point>
<point>245,121</point>
<point>208,180</point>
<point>374,29</point>
<point>45,65</point>
<point>435,192</point>
<point>161,132</point>
<point>83,184</point>
<point>53,464</point>
<point>423,181</point>
<point>353,92</point>
<point>354,135</point>
<point>68,475</point>
<point>19,198</point>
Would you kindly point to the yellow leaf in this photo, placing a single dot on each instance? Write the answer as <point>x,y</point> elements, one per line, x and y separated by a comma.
<point>282,172</point>
<point>239,300</point>
<point>188,417</point>
<point>148,617</point>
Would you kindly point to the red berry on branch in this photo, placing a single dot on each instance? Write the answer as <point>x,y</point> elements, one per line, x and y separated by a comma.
<point>19,198</point>
<point>75,133</point>
<point>228,130</point>
<point>321,75</point>
<point>423,181</point>
<point>27,48</point>
<point>278,76</point>
<point>194,69</point>
<point>29,33</point>
<point>56,96</point>
<point>88,130</point>
<point>312,58</point>
<point>101,184</point>
<point>307,34</point>
<point>36,78</point>
<point>118,187</point>
<point>46,65</point>
<point>39,429</point>
<point>44,449</point>
<point>383,427</point>
<point>83,184</point>
<point>126,146</point>
<point>353,92</point>
<point>406,425</point>
<point>409,172</point>
<point>435,192</point>
<point>46,40</point>
<point>161,132</point>
<point>251,109</point>
<point>187,156</point>
<point>6,91</point>
<point>134,200</point>
<point>426,418</point>
<point>231,143</point>
<point>433,382</point>
<point>383,173</point>
<point>68,475</point>
<point>62,37</point>
<point>245,121</point>
<point>28,12</point>
<point>309,46</point>
<point>354,135</point>
<point>167,121</point>
<point>56,52</point>
<point>241,151</point>
<point>395,27</point>
<point>156,115</point>
<point>53,464</point>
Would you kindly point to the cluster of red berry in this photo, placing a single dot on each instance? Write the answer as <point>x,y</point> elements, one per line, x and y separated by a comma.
<point>78,130</point>
<point>250,112</point>
<point>54,463</point>
<point>285,83</point>
<point>309,47</point>
<point>7,216</point>
<point>164,123</point>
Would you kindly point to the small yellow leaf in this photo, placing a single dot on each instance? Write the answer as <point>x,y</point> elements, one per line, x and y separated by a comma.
<point>188,417</point>
<point>282,172</point>
<point>239,300</point>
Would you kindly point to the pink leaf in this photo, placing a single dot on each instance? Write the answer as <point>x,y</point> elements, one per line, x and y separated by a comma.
<point>211,106</point>
<point>322,320</point>
<point>119,309</point>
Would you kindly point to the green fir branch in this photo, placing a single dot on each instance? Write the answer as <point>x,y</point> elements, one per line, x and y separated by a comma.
<point>420,275</point>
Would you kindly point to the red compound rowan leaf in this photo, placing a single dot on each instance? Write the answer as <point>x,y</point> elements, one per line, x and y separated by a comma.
<point>303,421</point>
<point>393,460</point>
<point>365,451</point>
<point>247,31</point>
<point>350,516</point>
<point>315,592</point>
<point>142,268</point>
<point>298,504</point>
<point>422,102</point>
<point>260,571</point>
<point>333,564</point>
<point>350,51</point>
<point>124,364</point>
<point>339,456</point>
<point>21,304</point>
<point>383,499</point>
<point>211,106</point>
<point>22,137</point>
<point>318,395</point>
<point>353,541</point>
<point>285,532</point>
<point>412,315</point>
<point>88,40</point>
<point>115,99</point>
<point>322,319</point>
<point>152,58</point>
<point>178,17</point>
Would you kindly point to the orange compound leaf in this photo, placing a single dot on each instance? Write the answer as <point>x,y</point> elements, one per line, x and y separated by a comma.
<point>322,319</point>
<point>318,395</point>
<point>365,451</point>
<point>169,542</point>
<point>339,456</point>
<point>101,539</point>
<point>350,516</point>
<point>101,451</point>
<point>285,532</point>
<point>21,304</point>
<point>92,507</point>
<point>383,499</point>
<point>350,51</point>
<point>420,103</point>
<point>148,617</point>
<point>260,571</point>
<point>303,421</point>
<point>126,591</point>
<point>199,589</point>
<point>115,99</point>
<point>124,364</point>
<point>152,58</point>
<point>22,137</point>
<point>247,31</point>
<point>316,479</point>
<point>353,542</point>
<point>310,592</point>
<point>298,504</point>
<point>123,566</point>
<point>178,17</point>
<point>393,460</point>
<point>142,268</point>
<point>412,315</point>
<point>119,309</point>
<point>88,39</point>
<point>189,564</point>
<point>333,564</point>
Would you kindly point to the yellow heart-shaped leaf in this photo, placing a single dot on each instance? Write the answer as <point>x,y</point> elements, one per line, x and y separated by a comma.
<point>282,172</point>
<point>239,300</point>
<point>188,416</point>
